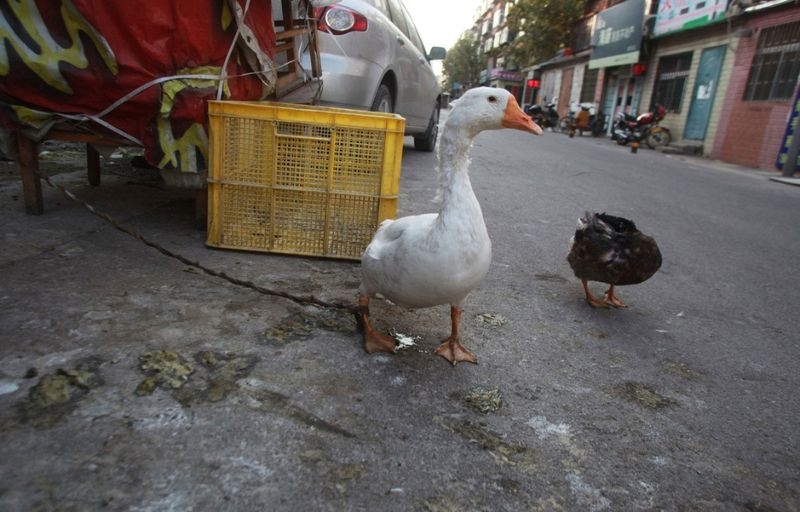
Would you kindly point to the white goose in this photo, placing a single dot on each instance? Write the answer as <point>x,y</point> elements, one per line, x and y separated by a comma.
<point>426,260</point>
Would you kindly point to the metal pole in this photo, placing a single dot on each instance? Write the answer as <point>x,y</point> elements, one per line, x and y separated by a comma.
<point>524,89</point>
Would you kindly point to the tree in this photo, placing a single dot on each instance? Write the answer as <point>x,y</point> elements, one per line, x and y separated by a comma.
<point>545,26</point>
<point>462,63</point>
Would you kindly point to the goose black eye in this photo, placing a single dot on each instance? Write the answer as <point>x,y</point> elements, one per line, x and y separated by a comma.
<point>492,99</point>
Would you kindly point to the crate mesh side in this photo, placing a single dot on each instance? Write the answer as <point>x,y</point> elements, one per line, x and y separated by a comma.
<point>303,152</point>
<point>299,186</point>
<point>246,222</point>
<point>249,150</point>
<point>358,161</point>
<point>303,129</point>
<point>299,221</point>
<point>352,224</point>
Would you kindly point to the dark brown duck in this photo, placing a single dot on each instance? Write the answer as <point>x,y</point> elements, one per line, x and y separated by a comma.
<point>611,250</point>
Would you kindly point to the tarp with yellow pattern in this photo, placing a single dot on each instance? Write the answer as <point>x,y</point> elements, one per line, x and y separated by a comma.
<point>135,70</point>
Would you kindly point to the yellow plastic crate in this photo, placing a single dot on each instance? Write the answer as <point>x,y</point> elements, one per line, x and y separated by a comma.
<point>302,180</point>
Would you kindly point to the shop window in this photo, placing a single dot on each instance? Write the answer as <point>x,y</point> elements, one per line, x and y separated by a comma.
<point>776,64</point>
<point>673,71</point>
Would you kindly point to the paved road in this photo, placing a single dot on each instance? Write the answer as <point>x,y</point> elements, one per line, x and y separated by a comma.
<point>685,401</point>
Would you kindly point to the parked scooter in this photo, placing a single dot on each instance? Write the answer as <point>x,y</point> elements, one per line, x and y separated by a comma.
<point>644,128</point>
<point>546,117</point>
<point>584,118</point>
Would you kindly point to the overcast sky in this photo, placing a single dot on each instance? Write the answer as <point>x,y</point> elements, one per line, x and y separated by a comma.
<point>441,22</point>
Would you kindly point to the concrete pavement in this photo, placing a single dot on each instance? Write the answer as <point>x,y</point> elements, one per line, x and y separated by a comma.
<point>131,381</point>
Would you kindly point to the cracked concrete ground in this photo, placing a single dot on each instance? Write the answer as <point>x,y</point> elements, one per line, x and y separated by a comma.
<point>131,381</point>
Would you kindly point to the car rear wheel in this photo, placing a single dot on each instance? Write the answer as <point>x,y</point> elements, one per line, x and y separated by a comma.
<point>383,100</point>
<point>427,142</point>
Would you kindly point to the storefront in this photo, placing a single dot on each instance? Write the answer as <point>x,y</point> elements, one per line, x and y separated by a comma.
<point>616,45</point>
<point>760,97</point>
<point>693,52</point>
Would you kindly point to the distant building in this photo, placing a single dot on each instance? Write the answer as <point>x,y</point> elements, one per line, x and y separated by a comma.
<point>726,71</point>
<point>493,35</point>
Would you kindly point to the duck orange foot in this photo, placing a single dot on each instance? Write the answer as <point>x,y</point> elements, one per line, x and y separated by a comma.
<point>591,299</point>
<point>596,303</point>
<point>613,300</point>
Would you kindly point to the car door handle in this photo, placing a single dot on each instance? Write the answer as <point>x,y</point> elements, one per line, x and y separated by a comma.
<point>400,41</point>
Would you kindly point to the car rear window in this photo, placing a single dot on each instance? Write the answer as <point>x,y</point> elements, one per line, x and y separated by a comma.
<point>397,12</point>
<point>411,32</point>
<point>397,16</point>
<point>402,19</point>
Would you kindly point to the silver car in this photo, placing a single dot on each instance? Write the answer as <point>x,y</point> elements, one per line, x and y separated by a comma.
<point>373,59</point>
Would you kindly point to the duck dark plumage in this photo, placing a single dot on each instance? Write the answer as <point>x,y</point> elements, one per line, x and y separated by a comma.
<point>611,250</point>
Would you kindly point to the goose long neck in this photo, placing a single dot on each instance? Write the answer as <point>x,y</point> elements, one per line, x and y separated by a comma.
<point>454,150</point>
<point>458,198</point>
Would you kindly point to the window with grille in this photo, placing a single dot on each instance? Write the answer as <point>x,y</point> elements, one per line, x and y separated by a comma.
<point>673,70</point>
<point>589,85</point>
<point>776,64</point>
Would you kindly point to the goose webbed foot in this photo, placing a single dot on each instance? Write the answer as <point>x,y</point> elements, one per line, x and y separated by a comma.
<point>373,340</point>
<point>451,348</point>
<point>613,300</point>
<point>377,342</point>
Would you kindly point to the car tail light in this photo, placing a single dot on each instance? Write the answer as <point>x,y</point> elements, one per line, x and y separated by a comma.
<point>339,20</point>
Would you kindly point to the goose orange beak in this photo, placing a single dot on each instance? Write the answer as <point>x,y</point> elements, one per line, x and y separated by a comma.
<point>514,117</point>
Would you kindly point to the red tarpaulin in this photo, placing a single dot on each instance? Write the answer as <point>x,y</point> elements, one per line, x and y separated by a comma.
<point>134,70</point>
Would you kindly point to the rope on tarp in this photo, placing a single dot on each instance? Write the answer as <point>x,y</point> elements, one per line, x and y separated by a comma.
<point>299,299</point>
<point>221,78</point>
<point>239,22</point>
<point>97,118</point>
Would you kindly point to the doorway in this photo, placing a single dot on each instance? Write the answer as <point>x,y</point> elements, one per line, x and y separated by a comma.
<point>619,96</point>
<point>705,88</point>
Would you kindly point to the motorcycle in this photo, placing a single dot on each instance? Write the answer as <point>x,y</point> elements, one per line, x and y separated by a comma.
<point>546,117</point>
<point>645,127</point>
